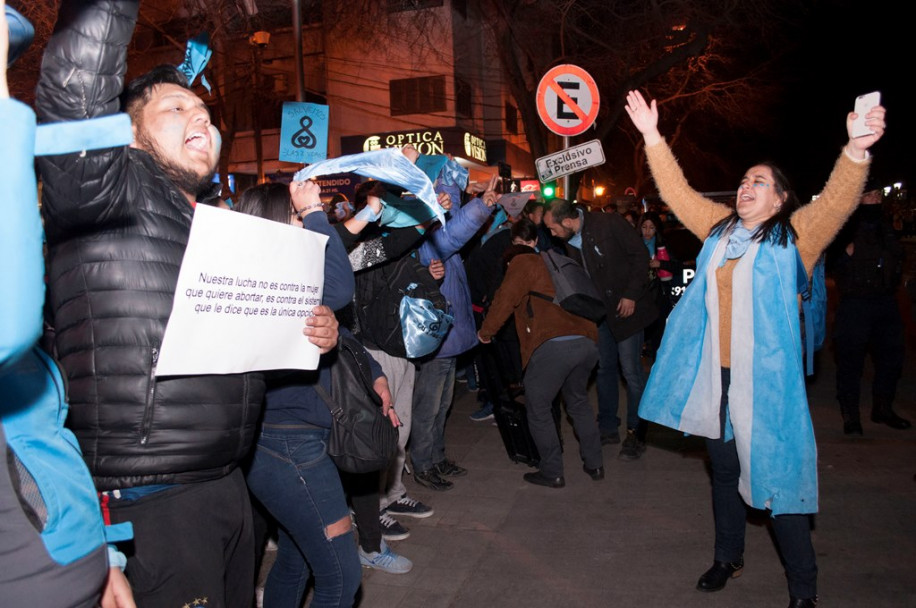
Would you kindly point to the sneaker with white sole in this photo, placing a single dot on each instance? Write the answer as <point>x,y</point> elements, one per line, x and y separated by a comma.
<point>385,560</point>
<point>391,528</point>
<point>484,413</point>
<point>409,507</point>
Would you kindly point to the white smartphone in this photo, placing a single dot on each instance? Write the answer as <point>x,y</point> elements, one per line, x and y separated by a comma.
<point>864,104</point>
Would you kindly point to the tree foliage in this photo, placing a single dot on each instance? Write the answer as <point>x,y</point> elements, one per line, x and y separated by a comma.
<point>709,64</point>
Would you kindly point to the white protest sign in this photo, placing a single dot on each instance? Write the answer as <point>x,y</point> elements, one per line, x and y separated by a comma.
<point>245,288</point>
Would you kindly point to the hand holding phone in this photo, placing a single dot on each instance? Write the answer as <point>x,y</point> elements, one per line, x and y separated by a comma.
<point>864,104</point>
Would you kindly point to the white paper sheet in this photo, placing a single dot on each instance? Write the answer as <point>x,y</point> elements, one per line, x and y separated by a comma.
<point>245,288</point>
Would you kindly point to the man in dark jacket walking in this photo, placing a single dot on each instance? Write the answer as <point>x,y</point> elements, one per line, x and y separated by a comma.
<point>163,452</point>
<point>618,262</point>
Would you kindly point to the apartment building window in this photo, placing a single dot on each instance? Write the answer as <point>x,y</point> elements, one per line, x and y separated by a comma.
<point>417,95</point>
<point>464,98</point>
<point>511,119</point>
<point>396,6</point>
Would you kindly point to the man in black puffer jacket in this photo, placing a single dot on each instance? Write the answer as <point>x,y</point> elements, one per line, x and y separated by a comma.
<point>164,452</point>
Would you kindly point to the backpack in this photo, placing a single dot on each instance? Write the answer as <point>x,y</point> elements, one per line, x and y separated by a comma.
<point>362,439</point>
<point>400,308</point>
<point>814,308</point>
<point>575,291</point>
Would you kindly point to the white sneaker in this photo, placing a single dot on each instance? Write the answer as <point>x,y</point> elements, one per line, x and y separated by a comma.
<point>385,560</point>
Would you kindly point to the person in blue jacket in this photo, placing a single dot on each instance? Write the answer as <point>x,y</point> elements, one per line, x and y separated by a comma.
<point>53,549</point>
<point>434,386</point>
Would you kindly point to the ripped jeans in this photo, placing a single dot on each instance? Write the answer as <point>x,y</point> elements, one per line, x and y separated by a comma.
<point>293,477</point>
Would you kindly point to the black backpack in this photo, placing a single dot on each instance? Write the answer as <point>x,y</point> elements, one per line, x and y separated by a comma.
<point>575,291</point>
<point>378,299</point>
<point>362,439</point>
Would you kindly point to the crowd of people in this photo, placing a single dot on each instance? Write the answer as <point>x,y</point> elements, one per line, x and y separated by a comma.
<point>198,471</point>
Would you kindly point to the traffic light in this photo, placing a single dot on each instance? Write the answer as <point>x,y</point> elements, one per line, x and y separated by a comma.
<point>548,190</point>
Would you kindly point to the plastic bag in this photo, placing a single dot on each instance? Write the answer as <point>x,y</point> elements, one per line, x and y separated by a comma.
<point>423,325</point>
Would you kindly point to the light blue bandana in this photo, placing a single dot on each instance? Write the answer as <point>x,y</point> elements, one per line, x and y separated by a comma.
<point>738,241</point>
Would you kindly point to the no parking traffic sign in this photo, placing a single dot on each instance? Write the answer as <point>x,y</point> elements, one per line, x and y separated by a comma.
<point>567,100</point>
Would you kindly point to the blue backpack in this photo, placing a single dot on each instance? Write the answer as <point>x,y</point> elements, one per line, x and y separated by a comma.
<point>814,309</point>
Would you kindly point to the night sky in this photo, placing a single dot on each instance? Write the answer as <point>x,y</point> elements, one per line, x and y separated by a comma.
<point>848,52</point>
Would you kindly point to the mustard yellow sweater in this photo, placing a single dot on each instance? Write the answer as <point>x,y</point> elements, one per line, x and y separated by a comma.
<point>816,223</point>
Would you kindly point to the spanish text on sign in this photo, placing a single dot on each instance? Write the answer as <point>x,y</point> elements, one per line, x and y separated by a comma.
<point>570,160</point>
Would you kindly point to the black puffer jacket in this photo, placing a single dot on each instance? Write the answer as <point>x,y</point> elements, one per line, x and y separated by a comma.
<point>117,231</point>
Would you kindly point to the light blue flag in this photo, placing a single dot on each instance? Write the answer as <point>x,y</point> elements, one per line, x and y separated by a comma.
<point>196,56</point>
<point>432,164</point>
<point>387,165</point>
<point>498,224</point>
<point>398,212</point>
<point>93,134</point>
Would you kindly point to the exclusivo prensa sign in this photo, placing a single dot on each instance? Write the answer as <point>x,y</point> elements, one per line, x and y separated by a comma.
<point>571,160</point>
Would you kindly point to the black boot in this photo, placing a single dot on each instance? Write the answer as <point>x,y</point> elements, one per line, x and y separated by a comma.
<point>810,602</point>
<point>883,413</point>
<point>715,578</point>
<point>851,423</point>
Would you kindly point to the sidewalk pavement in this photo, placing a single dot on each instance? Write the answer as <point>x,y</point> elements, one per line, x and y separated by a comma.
<point>643,535</point>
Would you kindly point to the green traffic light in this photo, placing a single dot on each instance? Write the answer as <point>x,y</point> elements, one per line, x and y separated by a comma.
<point>547,190</point>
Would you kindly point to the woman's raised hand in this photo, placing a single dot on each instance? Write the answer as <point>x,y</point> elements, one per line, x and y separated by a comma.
<point>306,195</point>
<point>875,121</point>
<point>644,117</point>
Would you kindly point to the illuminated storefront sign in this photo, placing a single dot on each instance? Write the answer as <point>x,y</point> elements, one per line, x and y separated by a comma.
<point>429,141</point>
<point>426,142</point>
<point>475,148</point>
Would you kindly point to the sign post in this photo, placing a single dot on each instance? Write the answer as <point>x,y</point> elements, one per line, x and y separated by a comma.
<point>567,102</point>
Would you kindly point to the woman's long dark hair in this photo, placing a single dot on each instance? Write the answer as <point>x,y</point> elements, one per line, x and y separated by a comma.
<point>777,228</point>
<point>651,216</point>
<point>269,201</point>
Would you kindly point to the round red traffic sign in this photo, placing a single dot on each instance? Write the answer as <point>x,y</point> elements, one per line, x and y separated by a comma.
<point>567,100</point>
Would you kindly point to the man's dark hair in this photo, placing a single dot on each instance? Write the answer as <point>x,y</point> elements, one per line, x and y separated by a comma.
<point>532,206</point>
<point>524,229</point>
<point>562,209</point>
<point>139,90</point>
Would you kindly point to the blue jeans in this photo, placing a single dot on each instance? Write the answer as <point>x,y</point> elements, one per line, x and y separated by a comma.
<point>293,477</point>
<point>627,353</point>
<point>432,398</point>
<point>792,531</point>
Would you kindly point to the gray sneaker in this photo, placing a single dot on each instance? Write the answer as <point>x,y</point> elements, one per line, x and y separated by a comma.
<point>385,560</point>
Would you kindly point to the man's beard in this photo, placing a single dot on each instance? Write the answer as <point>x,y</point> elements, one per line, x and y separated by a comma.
<point>187,181</point>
